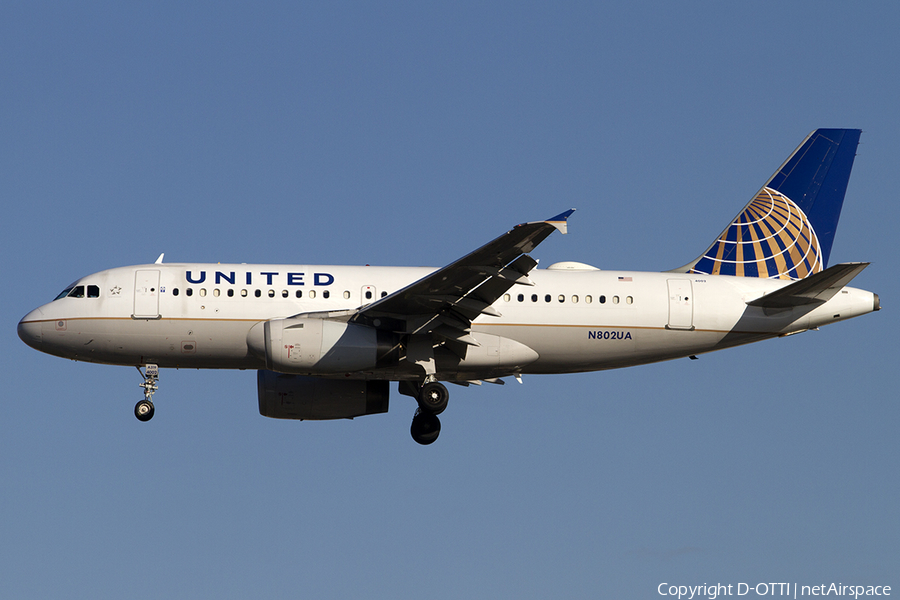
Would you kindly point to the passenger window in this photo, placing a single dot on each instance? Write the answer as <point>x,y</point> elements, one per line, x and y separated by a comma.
<point>615,299</point>
<point>189,292</point>
<point>298,293</point>
<point>506,297</point>
<point>547,298</point>
<point>347,294</point>
<point>174,291</point>
<point>602,300</point>
<point>312,294</point>
<point>257,293</point>
<point>216,292</point>
<point>588,299</point>
<point>368,295</point>
<point>562,297</point>
<point>629,300</point>
<point>326,294</point>
<point>202,292</point>
<point>271,293</point>
<point>230,293</point>
<point>93,291</point>
<point>521,298</point>
<point>77,292</point>
<point>534,297</point>
<point>383,294</point>
<point>243,293</point>
<point>574,299</point>
<point>284,293</point>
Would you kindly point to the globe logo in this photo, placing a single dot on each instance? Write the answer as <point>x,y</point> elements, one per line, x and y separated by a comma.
<point>771,238</point>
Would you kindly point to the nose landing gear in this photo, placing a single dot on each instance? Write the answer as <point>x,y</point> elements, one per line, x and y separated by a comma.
<point>144,410</point>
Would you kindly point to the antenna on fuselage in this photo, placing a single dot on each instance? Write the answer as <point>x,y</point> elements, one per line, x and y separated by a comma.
<point>159,260</point>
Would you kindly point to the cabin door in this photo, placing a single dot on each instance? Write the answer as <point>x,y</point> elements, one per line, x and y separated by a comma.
<point>681,304</point>
<point>146,294</point>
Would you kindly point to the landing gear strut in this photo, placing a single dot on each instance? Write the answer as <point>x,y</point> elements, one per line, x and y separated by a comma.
<point>432,398</point>
<point>144,410</point>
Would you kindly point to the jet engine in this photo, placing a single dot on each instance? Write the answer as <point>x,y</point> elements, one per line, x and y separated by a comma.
<point>308,345</point>
<point>313,398</point>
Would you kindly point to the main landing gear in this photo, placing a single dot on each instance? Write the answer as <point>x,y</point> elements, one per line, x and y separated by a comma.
<point>432,397</point>
<point>144,410</point>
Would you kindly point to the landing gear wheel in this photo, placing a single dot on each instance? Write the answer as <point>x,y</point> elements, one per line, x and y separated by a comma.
<point>433,398</point>
<point>425,428</point>
<point>144,410</point>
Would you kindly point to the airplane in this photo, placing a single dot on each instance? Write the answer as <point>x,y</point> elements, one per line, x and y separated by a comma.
<point>326,341</point>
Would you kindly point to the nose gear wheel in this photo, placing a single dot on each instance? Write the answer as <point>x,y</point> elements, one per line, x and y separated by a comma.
<point>144,410</point>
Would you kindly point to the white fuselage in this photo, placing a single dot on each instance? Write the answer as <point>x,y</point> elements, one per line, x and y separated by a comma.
<point>200,315</point>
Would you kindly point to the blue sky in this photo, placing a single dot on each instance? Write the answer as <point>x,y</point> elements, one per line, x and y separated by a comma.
<point>410,134</point>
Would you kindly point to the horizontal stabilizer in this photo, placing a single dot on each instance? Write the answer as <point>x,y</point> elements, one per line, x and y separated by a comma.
<point>815,289</point>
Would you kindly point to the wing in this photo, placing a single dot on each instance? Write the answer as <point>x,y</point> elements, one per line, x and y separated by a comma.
<point>446,302</point>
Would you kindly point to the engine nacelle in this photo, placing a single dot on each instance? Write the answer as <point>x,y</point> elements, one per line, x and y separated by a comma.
<point>316,399</point>
<point>304,345</point>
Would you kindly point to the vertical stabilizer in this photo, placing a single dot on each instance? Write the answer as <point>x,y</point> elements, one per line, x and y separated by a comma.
<point>787,229</point>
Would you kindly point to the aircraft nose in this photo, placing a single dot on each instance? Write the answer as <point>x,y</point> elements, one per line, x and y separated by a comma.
<point>29,328</point>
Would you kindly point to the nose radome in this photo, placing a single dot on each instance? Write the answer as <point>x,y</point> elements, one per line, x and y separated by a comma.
<point>29,328</point>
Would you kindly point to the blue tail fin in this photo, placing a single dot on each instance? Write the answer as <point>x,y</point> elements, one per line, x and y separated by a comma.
<point>787,230</point>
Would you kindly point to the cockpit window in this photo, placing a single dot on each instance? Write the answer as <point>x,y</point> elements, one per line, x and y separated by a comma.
<point>65,292</point>
<point>77,291</point>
